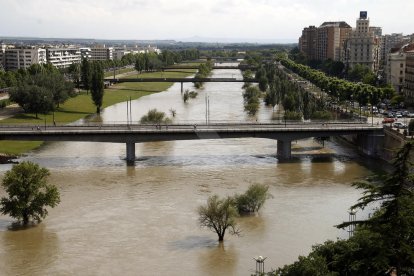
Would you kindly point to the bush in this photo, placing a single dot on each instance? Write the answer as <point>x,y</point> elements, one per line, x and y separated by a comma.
<point>253,199</point>
<point>155,117</point>
<point>292,116</point>
<point>321,115</point>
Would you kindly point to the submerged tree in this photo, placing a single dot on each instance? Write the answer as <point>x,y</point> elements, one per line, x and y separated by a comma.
<point>253,199</point>
<point>28,192</point>
<point>155,117</point>
<point>219,216</point>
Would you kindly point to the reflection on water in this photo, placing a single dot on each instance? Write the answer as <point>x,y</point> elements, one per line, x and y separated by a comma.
<point>219,260</point>
<point>142,220</point>
<point>31,251</point>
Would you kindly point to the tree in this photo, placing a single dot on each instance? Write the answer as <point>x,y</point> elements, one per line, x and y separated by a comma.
<point>32,98</point>
<point>28,192</point>
<point>74,71</point>
<point>218,216</point>
<point>253,199</point>
<point>86,74</point>
<point>155,117</point>
<point>97,86</point>
<point>395,220</point>
<point>380,242</point>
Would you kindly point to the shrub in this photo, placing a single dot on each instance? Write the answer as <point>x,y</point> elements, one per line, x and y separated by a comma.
<point>155,117</point>
<point>292,116</point>
<point>253,199</point>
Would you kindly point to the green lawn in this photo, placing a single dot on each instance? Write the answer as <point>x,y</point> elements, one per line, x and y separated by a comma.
<point>81,106</point>
<point>117,72</point>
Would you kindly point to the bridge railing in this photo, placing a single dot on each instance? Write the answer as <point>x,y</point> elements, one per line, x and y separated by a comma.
<point>192,123</point>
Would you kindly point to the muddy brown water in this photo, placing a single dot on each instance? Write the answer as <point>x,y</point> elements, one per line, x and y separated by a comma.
<point>142,220</point>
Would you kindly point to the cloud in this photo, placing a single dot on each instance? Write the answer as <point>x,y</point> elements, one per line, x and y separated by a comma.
<point>144,19</point>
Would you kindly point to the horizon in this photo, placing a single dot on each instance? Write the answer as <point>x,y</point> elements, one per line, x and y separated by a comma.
<point>223,20</point>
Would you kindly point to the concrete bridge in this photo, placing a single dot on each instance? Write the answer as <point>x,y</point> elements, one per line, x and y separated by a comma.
<point>239,67</point>
<point>180,80</point>
<point>136,133</point>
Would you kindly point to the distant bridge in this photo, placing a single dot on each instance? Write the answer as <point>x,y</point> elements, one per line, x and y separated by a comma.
<point>180,80</point>
<point>138,133</point>
<point>228,67</point>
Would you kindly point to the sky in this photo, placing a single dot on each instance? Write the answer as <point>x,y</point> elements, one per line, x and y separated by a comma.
<point>252,20</point>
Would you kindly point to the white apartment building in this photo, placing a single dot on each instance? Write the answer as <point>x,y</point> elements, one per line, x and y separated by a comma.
<point>63,57</point>
<point>388,42</point>
<point>102,53</point>
<point>17,58</point>
<point>85,53</point>
<point>395,70</point>
<point>119,53</point>
<point>2,55</point>
<point>362,45</point>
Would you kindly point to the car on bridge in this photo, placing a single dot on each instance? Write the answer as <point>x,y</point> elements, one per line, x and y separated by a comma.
<point>399,125</point>
<point>388,120</point>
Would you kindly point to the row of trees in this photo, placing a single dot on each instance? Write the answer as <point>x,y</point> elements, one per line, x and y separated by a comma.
<point>381,243</point>
<point>279,89</point>
<point>340,89</point>
<point>14,78</point>
<point>358,73</point>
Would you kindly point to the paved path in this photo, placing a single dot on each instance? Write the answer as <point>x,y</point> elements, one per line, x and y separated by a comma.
<point>10,111</point>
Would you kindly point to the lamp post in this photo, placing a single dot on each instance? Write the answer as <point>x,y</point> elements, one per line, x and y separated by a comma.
<point>44,98</point>
<point>259,265</point>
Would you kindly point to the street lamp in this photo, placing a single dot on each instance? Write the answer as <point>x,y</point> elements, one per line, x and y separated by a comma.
<point>260,265</point>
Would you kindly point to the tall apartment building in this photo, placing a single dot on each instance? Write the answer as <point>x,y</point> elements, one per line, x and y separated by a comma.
<point>324,42</point>
<point>395,69</point>
<point>102,53</point>
<point>362,45</point>
<point>63,57</point>
<point>409,77</point>
<point>387,43</point>
<point>307,42</point>
<point>17,58</point>
<point>331,38</point>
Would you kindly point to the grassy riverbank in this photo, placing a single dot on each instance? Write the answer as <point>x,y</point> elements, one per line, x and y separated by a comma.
<point>82,106</point>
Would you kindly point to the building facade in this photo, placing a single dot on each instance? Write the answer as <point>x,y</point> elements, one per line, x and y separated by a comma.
<point>324,42</point>
<point>362,45</point>
<point>102,53</point>
<point>395,70</point>
<point>387,43</point>
<point>2,55</point>
<point>63,57</point>
<point>17,58</point>
<point>409,78</point>
<point>85,53</point>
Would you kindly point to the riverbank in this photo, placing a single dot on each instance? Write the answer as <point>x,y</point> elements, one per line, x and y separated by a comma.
<point>82,106</point>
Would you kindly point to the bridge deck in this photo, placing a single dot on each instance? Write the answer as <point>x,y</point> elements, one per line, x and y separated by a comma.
<point>121,133</point>
<point>116,80</point>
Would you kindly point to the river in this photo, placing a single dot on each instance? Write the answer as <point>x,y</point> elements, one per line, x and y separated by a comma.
<point>115,219</point>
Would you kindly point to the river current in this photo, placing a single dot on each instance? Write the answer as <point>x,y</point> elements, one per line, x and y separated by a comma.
<point>115,219</point>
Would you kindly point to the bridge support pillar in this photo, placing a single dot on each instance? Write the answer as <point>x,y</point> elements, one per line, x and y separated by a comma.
<point>284,149</point>
<point>182,87</point>
<point>130,153</point>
